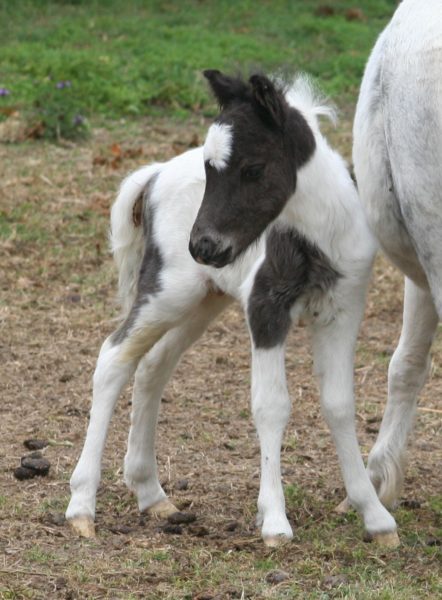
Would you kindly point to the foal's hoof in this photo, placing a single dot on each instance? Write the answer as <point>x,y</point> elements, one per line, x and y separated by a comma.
<point>162,509</point>
<point>83,526</point>
<point>344,507</point>
<point>385,540</point>
<point>276,541</point>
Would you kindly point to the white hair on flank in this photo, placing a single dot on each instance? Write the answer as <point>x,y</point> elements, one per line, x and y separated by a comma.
<point>218,145</point>
<point>304,94</point>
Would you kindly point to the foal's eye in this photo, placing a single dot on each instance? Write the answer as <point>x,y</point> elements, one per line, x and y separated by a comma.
<point>253,172</point>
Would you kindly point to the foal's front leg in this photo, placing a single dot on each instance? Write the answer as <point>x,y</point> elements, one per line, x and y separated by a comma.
<point>271,410</point>
<point>333,348</point>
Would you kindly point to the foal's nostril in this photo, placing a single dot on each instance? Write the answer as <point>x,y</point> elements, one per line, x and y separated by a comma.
<point>207,252</point>
<point>206,248</point>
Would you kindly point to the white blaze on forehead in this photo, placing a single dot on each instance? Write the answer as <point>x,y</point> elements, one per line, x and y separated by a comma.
<point>218,145</point>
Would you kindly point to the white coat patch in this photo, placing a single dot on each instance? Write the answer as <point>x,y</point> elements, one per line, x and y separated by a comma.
<point>218,145</point>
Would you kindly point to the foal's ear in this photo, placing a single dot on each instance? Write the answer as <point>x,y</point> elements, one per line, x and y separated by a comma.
<point>268,99</point>
<point>225,88</point>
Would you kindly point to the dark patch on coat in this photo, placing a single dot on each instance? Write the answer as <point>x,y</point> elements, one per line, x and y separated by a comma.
<point>271,141</point>
<point>149,277</point>
<point>293,267</point>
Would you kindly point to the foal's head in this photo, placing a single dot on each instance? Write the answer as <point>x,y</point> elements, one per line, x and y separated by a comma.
<point>251,156</point>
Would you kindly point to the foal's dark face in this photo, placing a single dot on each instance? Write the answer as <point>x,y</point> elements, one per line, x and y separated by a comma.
<point>251,155</point>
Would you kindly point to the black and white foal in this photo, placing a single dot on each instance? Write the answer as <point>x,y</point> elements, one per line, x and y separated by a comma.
<point>268,200</point>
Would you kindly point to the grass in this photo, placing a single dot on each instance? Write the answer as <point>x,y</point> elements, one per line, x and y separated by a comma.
<point>145,58</point>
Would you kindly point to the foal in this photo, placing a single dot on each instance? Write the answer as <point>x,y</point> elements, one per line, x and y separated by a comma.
<point>274,205</point>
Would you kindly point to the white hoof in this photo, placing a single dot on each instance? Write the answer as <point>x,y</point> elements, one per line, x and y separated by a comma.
<point>83,526</point>
<point>343,508</point>
<point>276,541</point>
<point>162,509</point>
<point>388,539</point>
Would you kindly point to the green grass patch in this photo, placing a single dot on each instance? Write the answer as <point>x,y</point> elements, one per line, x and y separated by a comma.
<point>146,57</point>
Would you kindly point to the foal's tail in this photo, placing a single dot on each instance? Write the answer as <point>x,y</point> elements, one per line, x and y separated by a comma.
<point>128,231</point>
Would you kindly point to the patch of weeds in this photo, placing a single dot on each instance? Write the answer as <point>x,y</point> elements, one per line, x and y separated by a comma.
<point>58,113</point>
<point>38,555</point>
<point>291,443</point>
<point>80,573</point>
<point>54,504</point>
<point>404,516</point>
<point>17,594</point>
<point>265,564</point>
<point>383,357</point>
<point>435,503</point>
<point>294,496</point>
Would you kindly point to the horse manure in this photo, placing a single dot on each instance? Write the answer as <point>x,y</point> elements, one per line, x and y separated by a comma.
<point>171,528</point>
<point>35,444</point>
<point>22,473</point>
<point>32,465</point>
<point>181,518</point>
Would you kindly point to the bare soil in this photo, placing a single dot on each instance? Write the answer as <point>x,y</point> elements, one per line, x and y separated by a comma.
<point>57,305</point>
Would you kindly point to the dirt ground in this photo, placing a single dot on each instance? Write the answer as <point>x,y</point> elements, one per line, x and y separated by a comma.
<point>57,305</point>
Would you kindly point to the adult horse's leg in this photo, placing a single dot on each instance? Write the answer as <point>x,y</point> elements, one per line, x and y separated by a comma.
<point>333,347</point>
<point>406,375</point>
<point>271,410</point>
<point>154,371</point>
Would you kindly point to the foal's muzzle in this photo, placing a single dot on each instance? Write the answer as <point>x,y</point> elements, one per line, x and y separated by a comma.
<point>208,252</point>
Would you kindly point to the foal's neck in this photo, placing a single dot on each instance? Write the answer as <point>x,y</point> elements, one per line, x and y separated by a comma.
<point>325,202</point>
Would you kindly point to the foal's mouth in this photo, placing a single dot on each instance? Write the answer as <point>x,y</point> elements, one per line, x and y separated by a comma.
<point>217,261</point>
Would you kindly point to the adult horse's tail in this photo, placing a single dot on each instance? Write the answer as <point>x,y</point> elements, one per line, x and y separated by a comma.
<point>129,218</point>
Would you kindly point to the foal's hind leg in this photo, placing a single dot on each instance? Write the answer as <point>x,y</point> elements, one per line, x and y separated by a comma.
<point>111,375</point>
<point>154,371</point>
<point>406,375</point>
<point>118,359</point>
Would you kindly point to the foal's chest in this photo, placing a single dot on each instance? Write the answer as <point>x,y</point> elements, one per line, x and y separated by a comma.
<point>294,282</point>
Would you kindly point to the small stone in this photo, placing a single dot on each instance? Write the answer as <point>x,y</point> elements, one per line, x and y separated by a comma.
<point>21,473</point>
<point>35,444</point>
<point>37,463</point>
<point>181,518</point>
<point>182,484</point>
<point>276,576</point>
<point>170,528</point>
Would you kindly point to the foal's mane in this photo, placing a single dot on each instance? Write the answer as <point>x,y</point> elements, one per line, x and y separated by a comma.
<point>303,93</point>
